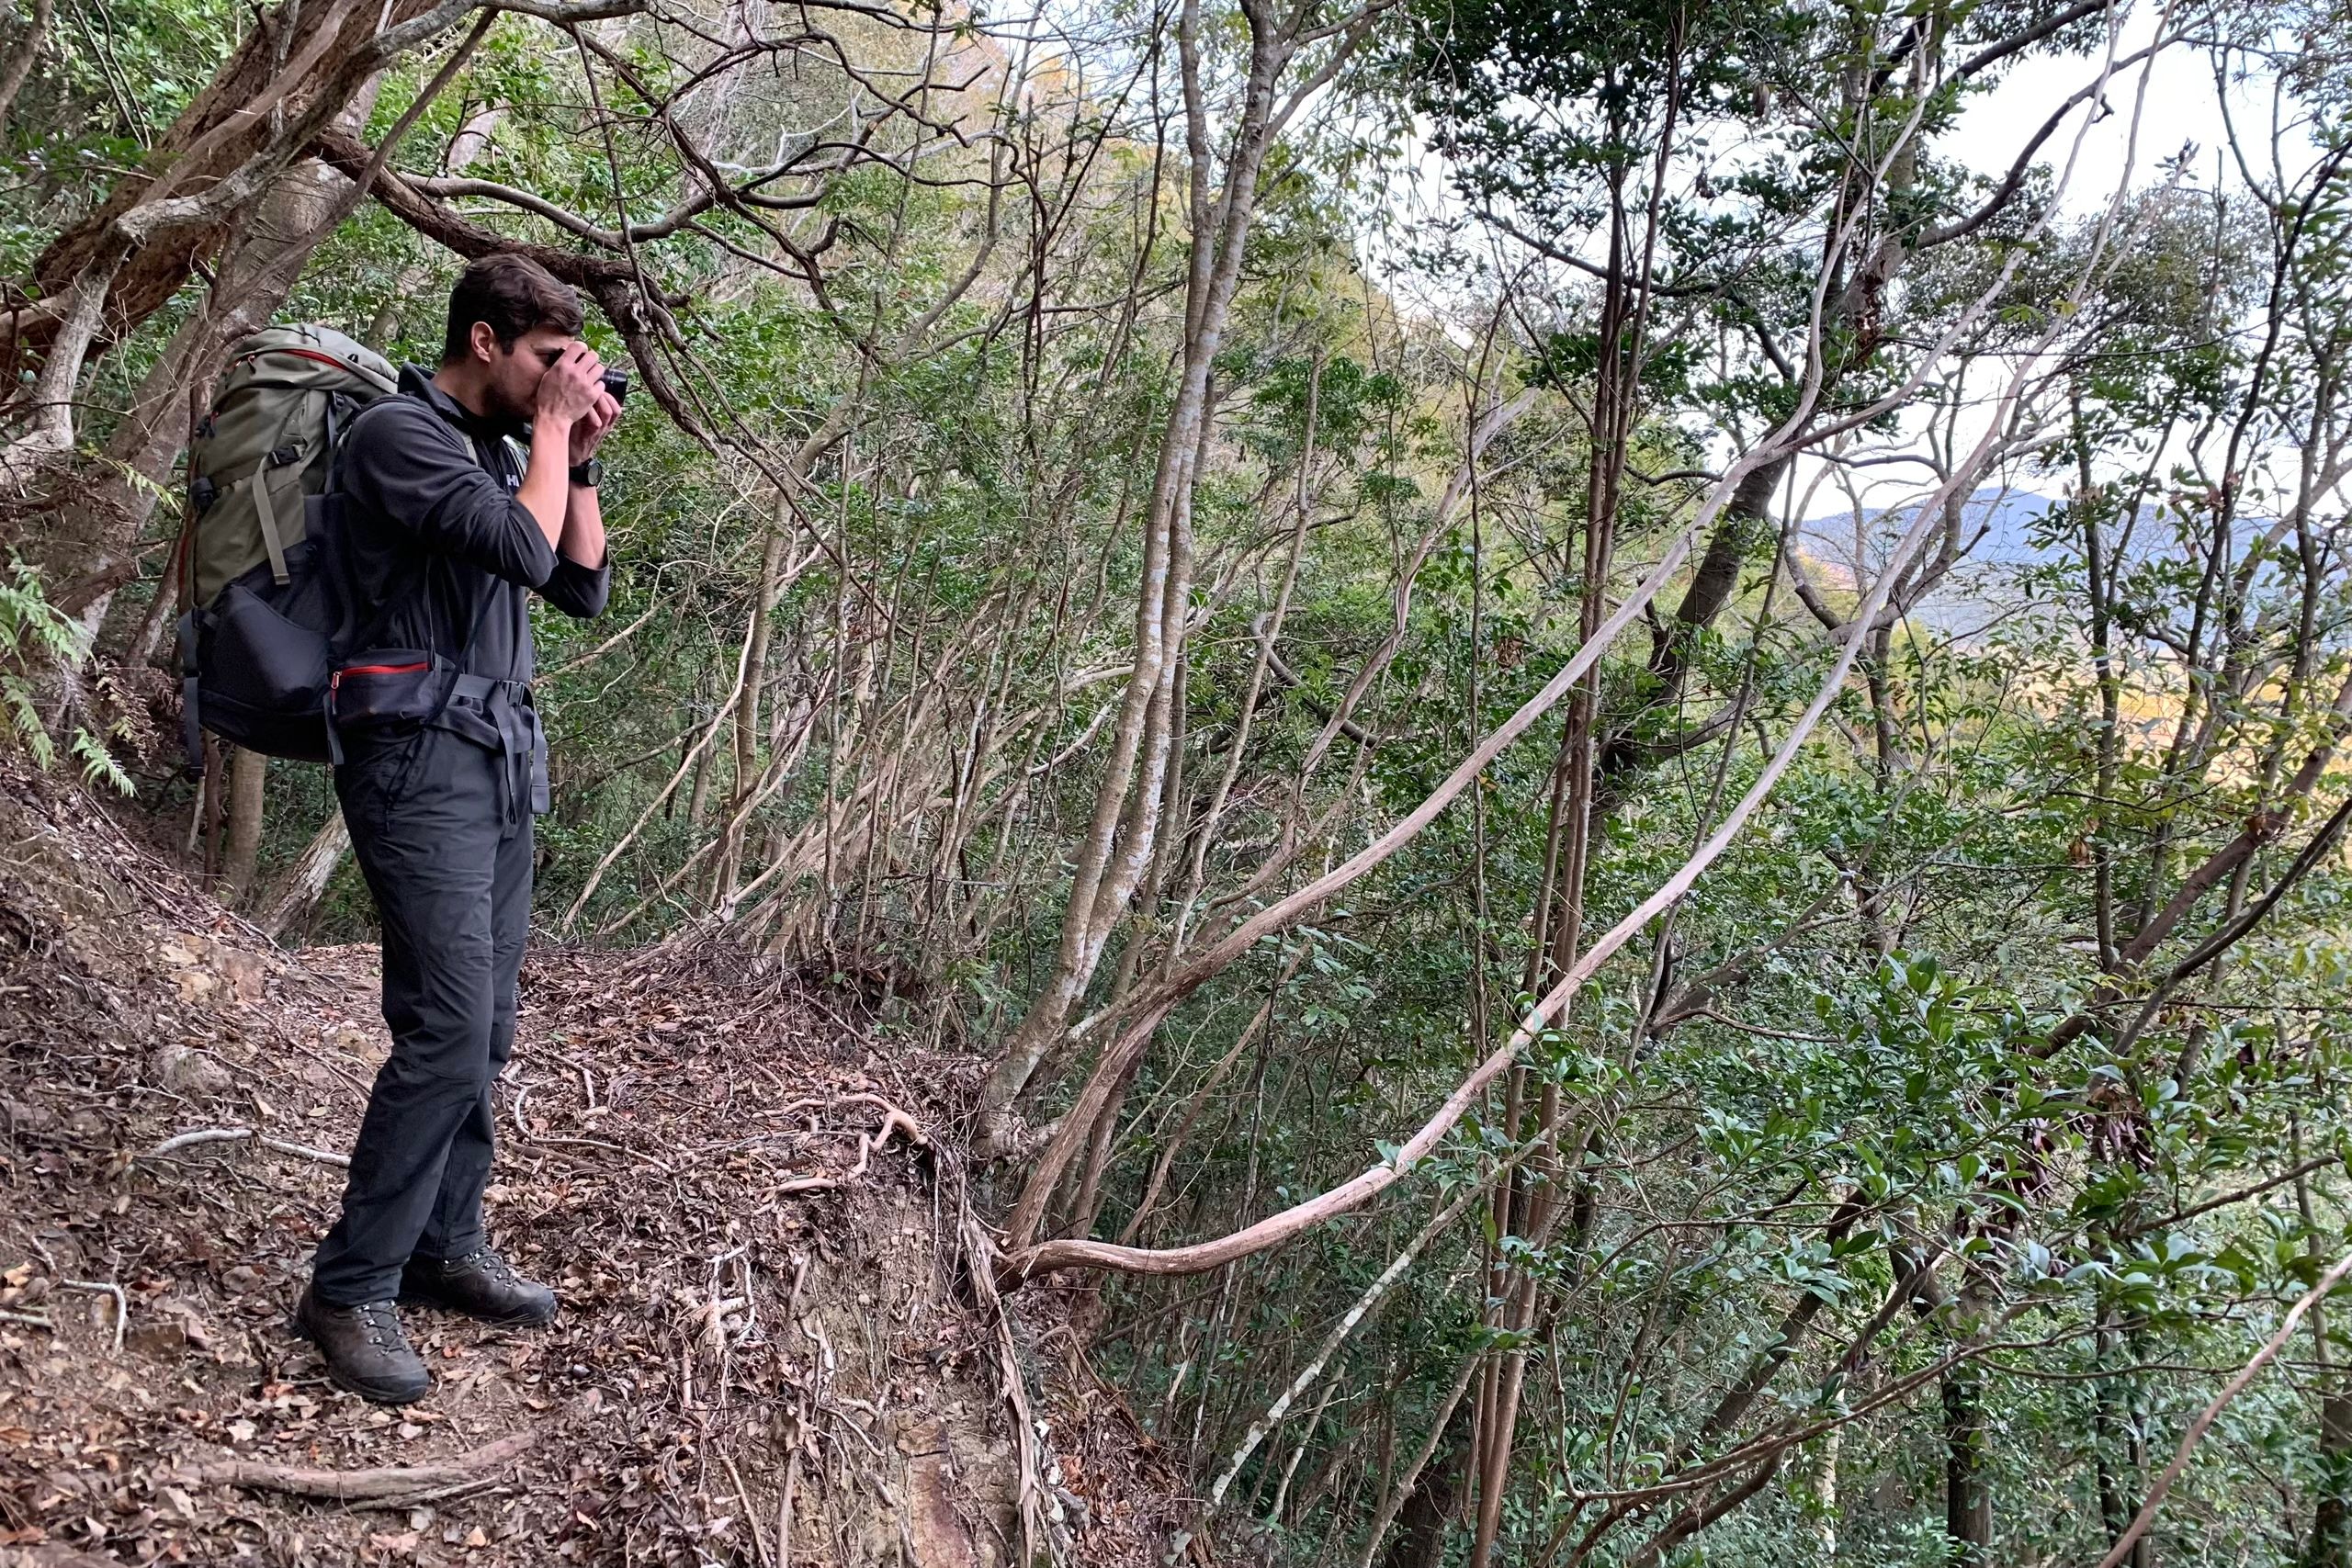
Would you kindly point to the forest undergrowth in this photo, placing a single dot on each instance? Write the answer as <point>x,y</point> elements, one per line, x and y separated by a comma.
<point>772,1348</point>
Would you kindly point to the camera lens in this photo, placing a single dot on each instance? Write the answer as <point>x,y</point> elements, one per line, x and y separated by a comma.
<point>617,383</point>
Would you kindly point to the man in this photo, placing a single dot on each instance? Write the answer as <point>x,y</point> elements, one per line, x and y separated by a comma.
<point>444,535</point>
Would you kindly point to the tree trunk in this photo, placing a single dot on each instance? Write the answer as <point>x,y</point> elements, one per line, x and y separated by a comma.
<point>2117,1454</point>
<point>747,705</point>
<point>1422,1523</point>
<point>92,547</point>
<point>1747,517</point>
<point>248,776</point>
<point>698,793</point>
<point>212,137</point>
<point>1120,834</point>
<point>19,64</point>
<point>1825,1492</point>
<point>1968,1500</point>
<point>305,881</point>
<point>2330,1542</point>
<point>146,635</point>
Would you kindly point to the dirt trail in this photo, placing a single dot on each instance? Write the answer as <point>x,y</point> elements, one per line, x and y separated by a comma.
<point>769,1353</point>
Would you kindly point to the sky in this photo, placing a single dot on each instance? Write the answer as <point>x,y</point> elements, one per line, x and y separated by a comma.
<point>2182,107</point>
<point>2181,111</point>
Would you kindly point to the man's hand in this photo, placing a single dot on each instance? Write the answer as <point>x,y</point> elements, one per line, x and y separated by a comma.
<point>571,412</point>
<point>569,391</point>
<point>588,431</point>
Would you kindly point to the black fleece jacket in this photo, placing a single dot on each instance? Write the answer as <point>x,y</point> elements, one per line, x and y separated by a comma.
<point>437,553</point>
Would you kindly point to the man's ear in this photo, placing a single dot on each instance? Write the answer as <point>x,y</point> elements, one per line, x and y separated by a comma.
<point>484,342</point>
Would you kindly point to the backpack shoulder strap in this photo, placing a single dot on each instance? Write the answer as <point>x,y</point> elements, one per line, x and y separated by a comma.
<point>340,440</point>
<point>339,434</point>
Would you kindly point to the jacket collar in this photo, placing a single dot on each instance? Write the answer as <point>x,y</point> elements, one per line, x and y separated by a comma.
<point>417,381</point>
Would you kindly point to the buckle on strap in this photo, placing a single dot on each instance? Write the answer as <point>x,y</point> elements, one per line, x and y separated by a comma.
<point>487,689</point>
<point>499,717</point>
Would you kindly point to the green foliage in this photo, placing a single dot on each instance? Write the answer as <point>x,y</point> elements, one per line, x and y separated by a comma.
<point>35,637</point>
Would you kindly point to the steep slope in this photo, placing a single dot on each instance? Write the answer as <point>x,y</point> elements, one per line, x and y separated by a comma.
<point>770,1351</point>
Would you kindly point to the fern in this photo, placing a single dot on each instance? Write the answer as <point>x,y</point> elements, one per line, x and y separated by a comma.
<point>99,765</point>
<point>34,634</point>
<point>24,721</point>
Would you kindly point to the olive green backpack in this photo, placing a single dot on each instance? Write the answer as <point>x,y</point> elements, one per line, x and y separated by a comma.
<point>263,609</point>
<point>267,442</point>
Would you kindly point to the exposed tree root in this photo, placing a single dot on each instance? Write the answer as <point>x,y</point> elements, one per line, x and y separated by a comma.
<point>354,1486</point>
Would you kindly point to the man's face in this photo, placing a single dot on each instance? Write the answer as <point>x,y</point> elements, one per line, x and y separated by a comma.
<point>513,389</point>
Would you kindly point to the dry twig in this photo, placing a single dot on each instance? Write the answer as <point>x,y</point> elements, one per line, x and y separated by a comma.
<point>239,1135</point>
<point>121,1304</point>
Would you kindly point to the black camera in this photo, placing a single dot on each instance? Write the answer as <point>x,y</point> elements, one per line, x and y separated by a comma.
<point>617,383</point>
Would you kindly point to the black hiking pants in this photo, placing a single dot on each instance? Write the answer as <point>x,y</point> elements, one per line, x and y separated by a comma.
<point>440,823</point>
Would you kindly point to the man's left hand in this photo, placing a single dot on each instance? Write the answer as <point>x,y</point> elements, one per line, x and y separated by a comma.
<point>588,432</point>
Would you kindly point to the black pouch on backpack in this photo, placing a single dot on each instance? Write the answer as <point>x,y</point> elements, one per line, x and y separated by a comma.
<point>263,653</point>
<point>381,687</point>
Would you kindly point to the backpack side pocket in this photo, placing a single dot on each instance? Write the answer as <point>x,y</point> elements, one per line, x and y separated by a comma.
<point>384,686</point>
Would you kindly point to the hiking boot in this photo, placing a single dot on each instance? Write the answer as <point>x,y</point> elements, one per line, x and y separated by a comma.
<point>366,1348</point>
<point>480,1284</point>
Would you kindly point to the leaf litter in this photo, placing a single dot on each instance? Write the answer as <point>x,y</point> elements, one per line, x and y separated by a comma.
<point>772,1348</point>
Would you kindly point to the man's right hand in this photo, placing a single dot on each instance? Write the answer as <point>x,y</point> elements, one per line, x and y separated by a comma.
<point>569,390</point>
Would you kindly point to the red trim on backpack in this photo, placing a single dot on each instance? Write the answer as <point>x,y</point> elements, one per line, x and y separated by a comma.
<point>306,353</point>
<point>334,682</point>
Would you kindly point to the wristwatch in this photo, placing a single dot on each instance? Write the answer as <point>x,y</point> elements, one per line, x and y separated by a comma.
<point>588,473</point>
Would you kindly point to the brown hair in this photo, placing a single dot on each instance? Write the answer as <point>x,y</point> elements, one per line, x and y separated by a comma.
<point>512,294</point>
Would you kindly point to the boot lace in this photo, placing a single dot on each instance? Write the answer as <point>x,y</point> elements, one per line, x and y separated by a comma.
<point>380,1322</point>
<point>500,1273</point>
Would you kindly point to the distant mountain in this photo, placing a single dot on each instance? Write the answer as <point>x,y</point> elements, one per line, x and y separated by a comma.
<point>2002,535</point>
<point>1997,531</point>
<point>1999,520</point>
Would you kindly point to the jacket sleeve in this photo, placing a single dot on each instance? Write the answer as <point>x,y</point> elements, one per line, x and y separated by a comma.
<point>579,590</point>
<point>408,468</point>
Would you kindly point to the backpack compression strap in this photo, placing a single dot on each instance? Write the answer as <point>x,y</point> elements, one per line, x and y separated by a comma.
<point>265,513</point>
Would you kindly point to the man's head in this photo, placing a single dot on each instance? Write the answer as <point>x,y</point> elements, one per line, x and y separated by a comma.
<point>509,319</point>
